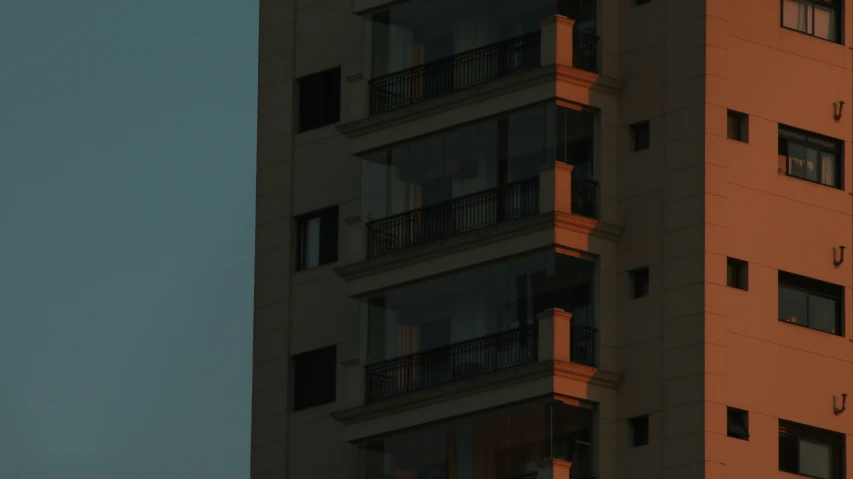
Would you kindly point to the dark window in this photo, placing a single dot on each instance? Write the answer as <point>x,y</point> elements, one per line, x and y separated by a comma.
<point>810,451</point>
<point>640,135</point>
<point>736,273</point>
<point>640,282</point>
<point>811,303</point>
<point>738,423</point>
<point>319,99</point>
<point>641,2</point>
<point>737,125</point>
<point>820,18</point>
<point>811,157</point>
<point>314,375</point>
<point>639,430</point>
<point>318,238</point>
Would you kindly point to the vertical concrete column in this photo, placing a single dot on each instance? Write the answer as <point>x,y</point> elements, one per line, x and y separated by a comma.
<point>557,41</point>
<point>356,239</point>
<point>555,187</point>
<point>353,377</point>
<point>355,93</point>
<point>555,335</point>
<point>554,469</point>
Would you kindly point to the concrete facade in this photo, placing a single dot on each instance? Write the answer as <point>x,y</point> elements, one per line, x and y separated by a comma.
<point>684,353</point>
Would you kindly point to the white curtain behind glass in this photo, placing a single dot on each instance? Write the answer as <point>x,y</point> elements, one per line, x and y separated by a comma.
<point>795,14</point>
<point>815,459</point>
<point>827,168</point>
<point>824,23</point>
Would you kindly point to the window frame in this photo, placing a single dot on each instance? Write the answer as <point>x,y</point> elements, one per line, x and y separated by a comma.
<point>640,435</point>
<point>323,387</point>
<point>633,275</point>
<point>328,242</point>
<point>740,266</point>
<point>795,432</point>
<point>742,119</point>
<point>814,287</point>
<point>741,416</point>
<point>793,136</point>
<point>636,128</point>
<point>332,109</point>
<point>837,5</point>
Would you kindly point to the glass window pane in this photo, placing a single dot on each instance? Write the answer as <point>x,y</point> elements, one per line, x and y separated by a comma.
<point>797,160</point>
<point>795,15</point>
<point>733,126</point>
<point>828,165</point>
<point>792,305</point>
<point>825,23</point>
<point>312,243</point>
<point>815,459</point>
<point>525,144</point>
<point>812,166</point>
<point>823,313</point>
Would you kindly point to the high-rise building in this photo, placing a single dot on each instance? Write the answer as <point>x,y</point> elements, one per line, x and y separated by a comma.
<point>504,239</point>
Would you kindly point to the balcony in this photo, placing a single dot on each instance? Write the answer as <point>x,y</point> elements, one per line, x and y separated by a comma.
<point>482,209</point>
<point>537,439</point>
<point>455,73</point>
<point>560,339</point>
<point>491,62</point>
<point>451,363</point>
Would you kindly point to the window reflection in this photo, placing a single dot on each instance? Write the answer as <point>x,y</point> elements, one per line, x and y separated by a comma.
<point>476,303</point>
<point>494,445</point>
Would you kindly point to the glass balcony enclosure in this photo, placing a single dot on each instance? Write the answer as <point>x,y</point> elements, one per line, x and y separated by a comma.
<point>423,49</point>
<point>490,299</point>
<point>475,158</point>
<point>501,444</point>
<point>416,32</point>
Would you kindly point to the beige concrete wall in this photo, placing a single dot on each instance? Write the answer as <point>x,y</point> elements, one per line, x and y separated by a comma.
<point>663,209</point>
<point>298,37</point>
<point>689,349</point>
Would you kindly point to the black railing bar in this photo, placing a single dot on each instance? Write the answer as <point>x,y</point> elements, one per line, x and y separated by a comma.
<point>441,61</point>
<point>531,181</point>
<point>451,346</point>
<point>585,326</point>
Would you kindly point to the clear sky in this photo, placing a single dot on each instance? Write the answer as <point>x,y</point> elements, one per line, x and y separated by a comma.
<point>127,153</point>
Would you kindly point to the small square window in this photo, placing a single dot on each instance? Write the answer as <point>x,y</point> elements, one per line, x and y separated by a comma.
<point>736,273</point>
<point>639,430</point>
<point>738,126</point>
<point>640,135</point>
<point>319,99</point>
<point>318,239</point>
<point>640,282</point>
<point>314,376</point>
<point>738,423</point>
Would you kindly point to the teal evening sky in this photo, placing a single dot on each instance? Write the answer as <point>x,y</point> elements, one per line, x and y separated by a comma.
<point>127,151</point>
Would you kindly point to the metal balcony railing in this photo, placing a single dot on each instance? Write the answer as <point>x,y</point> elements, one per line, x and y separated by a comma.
<point>453,217</point>
<point>450,363</point>
<point>463,70</point>
<point>583,344</point>
<point>585,50</point>
<point>584,193</point>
